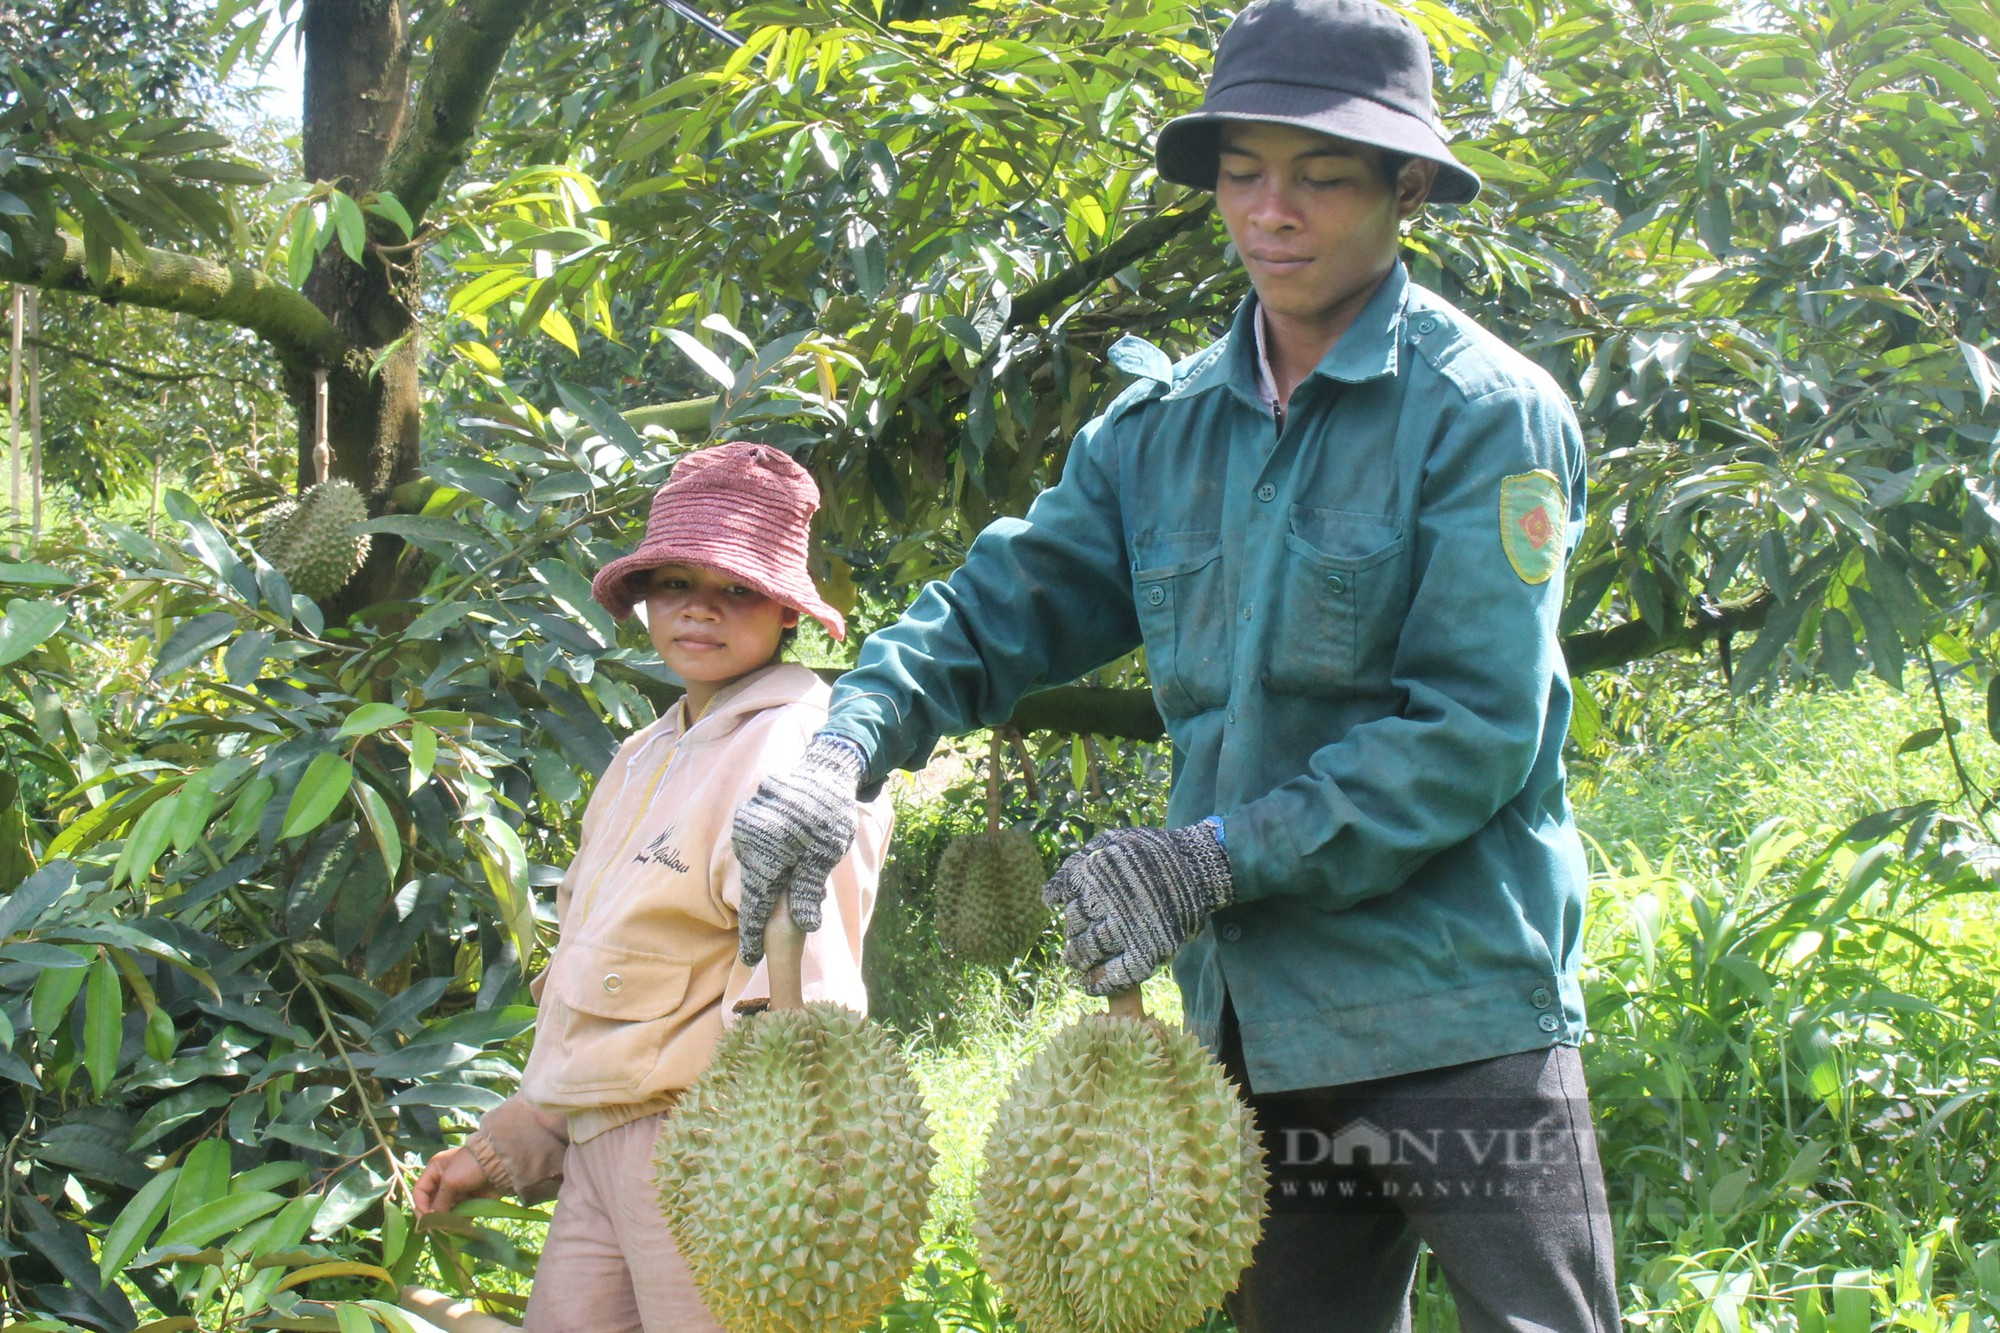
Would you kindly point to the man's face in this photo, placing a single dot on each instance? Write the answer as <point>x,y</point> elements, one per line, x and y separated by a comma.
<point>1312,217</point>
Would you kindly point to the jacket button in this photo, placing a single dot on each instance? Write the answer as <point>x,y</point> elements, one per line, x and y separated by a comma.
<point>1267,492</point>
<point>1231,715</point>
<point>1548,1022</point>
<point>613,983</point>
<point>1232,932</point>
<point>1427,326</point>
<point>1541,999</point>
<point>1335,583</point>
<point>1246,613</point>
<point>1155,595</point>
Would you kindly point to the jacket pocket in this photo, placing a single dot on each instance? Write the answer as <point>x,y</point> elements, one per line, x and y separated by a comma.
<point>1184,617</point>
<point>618,1008</point>
<point>1339,603</point>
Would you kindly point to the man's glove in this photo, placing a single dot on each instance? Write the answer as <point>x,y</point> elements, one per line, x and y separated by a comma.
<point>791,834</point>
<point>1132,897</point>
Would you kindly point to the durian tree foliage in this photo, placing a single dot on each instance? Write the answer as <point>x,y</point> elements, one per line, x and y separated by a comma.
<point>274,867</point>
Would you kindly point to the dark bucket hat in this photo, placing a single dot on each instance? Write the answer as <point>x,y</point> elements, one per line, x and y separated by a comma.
<point>1351,68</point>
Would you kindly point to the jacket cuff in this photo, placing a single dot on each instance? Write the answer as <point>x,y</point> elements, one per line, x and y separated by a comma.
<point>521,1149</point>
<point>480,1145</point>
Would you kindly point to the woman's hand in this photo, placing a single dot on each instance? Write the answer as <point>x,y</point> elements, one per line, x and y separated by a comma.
<point>449,1179</point>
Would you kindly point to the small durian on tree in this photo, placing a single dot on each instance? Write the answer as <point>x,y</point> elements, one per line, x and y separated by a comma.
<point>1124,1185</point>
<point>314,542</point>
<point>988,886</point>
<point>795,1173</point>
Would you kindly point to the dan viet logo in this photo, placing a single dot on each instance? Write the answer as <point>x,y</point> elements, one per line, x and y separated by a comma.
<point>1363,1143</point>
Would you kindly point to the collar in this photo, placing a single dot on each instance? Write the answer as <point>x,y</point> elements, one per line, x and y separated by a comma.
<point>1367,350</point>
<point>766,687</point>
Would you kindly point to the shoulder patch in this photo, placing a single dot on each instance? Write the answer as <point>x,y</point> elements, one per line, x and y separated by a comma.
<point>1532,514</point>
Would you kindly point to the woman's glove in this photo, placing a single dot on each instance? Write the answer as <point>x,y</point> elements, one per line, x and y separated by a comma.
<point>791,834</point>
<point>1132,897</point>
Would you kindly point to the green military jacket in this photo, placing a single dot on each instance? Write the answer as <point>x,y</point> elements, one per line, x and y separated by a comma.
<point>1351,630</point>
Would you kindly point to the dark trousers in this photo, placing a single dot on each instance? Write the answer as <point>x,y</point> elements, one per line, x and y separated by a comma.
<point>1492,1164</point>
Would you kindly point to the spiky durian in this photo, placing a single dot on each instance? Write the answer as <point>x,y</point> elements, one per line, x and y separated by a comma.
<point>1124,1185</point>
<point>312,541</point>
<point>989,896</point>
<point>795,1173</point>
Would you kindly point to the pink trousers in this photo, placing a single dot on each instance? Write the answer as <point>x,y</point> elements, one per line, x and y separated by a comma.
<point>610,1264</point>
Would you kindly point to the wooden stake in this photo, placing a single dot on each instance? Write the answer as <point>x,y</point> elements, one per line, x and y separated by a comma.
<point>35,415</point>
<point>14,424</point>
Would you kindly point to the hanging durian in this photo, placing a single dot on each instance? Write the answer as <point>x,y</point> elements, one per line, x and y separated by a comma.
<point>312,541</point>
<point>1124,1183</point>
<point>795,1173</point>
<point>988,886</point>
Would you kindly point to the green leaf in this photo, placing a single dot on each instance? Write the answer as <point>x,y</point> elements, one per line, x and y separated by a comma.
<point>49,1003</point>
<point>390,209</point>
<point>375,811</point>
<point>371,718</point>
<point>103,1024</point>
<point>192,640</point>
<point>148,838</point>
<point>348,225</point>
<point>319,793</point>
<point>353,1319</point>
<point>26,626</point>
<point>135,1222</point>
<point>1985,375</point>
<point>710,364</point>
<point>221,1217</point>
<point>423,754</point>
<point>505,863</point>
<point>222,172</point>
<point>299,249</point>
<point>205,1173</point>
<point>23,907</point>
<point>1920,740</point>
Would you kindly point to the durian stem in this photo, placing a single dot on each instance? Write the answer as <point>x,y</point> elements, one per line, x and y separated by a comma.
<point>785,955</point>
<point>1128,1004</point>
<point>993,782</point>
<point>322,452</point>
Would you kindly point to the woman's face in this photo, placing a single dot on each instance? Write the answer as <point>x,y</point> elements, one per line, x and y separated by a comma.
<point>710,627</point>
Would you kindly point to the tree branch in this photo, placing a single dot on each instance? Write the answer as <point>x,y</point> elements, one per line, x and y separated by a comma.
<point>1594,650</point>
<point>469,49</point>
<point>1140,240</point>
<point>136,372</point>
<point>1130,714</point>
<point>688,416</point>
<point>162,280</point>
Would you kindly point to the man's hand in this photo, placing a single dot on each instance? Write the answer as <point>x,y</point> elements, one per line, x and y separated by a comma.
<point>791,834</point>
<point>1132,897</point>
<point>449,1179</point>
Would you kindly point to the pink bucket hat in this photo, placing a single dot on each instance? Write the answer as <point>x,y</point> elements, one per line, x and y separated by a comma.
<point>740,508</point>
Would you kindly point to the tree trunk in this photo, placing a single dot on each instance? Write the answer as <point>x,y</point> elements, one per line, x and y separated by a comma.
<point>357,86</point>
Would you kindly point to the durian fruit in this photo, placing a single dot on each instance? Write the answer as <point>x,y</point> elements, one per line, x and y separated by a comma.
<point>1124,1183</point>
<point>795,1173</point>
<point>989,896</point>
<point>312,542</point>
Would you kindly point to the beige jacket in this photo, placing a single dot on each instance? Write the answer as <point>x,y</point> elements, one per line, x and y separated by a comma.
<point>645,975</point>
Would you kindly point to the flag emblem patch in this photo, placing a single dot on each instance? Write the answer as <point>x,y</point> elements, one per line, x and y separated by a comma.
<point>1532,512</point>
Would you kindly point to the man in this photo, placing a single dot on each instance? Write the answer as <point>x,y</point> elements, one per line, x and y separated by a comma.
<point>1339,533</point>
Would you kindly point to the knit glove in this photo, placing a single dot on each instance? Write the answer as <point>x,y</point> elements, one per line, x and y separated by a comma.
<point>1132,897</point>
<point>791,834</point>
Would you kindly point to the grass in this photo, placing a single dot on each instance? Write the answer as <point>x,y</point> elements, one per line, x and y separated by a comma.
<point>1792,1051</point>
